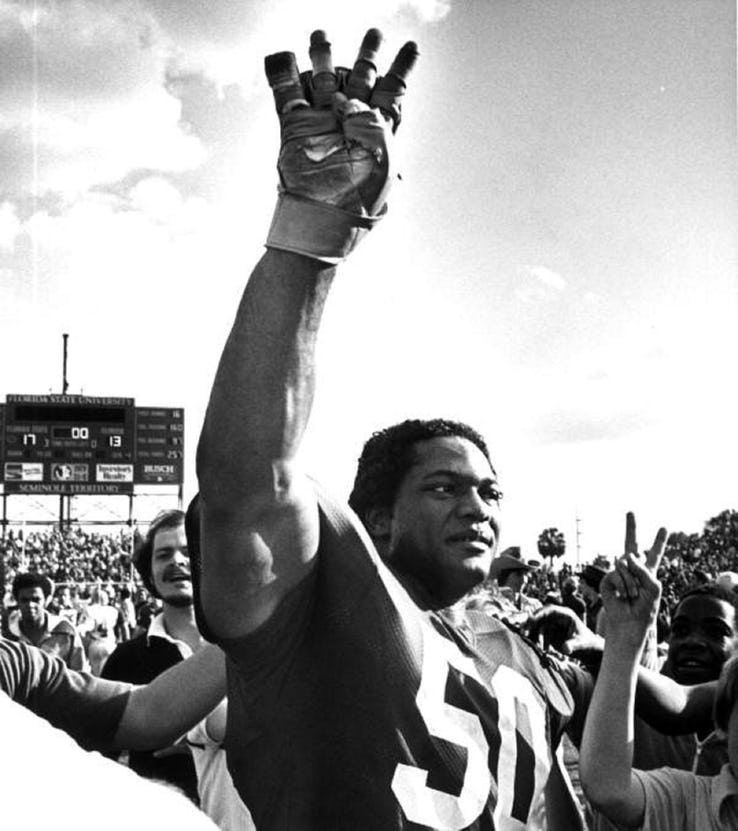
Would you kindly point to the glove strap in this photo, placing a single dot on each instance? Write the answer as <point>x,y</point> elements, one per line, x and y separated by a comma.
<point>316,229</point>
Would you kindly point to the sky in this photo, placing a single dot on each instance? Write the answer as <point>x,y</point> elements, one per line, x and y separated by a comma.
<point>557,267</point>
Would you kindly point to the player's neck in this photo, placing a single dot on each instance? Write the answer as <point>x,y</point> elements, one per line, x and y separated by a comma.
<point>425,598</point>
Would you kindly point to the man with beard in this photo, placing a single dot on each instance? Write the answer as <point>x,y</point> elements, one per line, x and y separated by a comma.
<point>163,563</point>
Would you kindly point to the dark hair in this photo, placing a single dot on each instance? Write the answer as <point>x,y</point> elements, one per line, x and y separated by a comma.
<point>390,453</point>
<point>709,590</point>
<point>142,555</point>
<point>568,587</point>
<point>32,581</point>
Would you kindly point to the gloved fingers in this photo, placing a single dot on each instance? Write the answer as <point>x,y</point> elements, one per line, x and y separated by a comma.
<point>389,89</point>
<point>324,81</point>
<point>366,128</point>
<point>364,73</point>
<point>344,107</point>
<point>283,77</point>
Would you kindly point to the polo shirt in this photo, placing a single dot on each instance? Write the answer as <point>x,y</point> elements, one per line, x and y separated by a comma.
<point>139,661</point>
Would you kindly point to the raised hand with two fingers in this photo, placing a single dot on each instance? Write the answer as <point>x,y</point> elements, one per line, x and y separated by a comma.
<point>631,591</point>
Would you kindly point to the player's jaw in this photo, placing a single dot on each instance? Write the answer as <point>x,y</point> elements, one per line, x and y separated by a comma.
<point>471,554</point>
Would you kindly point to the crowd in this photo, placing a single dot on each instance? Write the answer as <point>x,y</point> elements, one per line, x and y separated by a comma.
<point>387,667</point>
<point>82,563</point>
<point>70,555</point>
<point>82,560</point>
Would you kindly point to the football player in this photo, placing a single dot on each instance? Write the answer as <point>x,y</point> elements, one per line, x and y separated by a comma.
<point>362,694</point>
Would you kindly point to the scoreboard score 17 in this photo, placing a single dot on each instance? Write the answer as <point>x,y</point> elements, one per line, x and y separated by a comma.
<point>74,444</point>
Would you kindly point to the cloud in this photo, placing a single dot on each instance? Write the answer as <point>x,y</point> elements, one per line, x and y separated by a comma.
<point>83,97</point>
<point>91,90</point>
<point>429,11</point>
<point>220,40</point>
<point>569,426</point>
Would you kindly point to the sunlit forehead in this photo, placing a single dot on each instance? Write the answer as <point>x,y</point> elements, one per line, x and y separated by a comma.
<point>452,456</point>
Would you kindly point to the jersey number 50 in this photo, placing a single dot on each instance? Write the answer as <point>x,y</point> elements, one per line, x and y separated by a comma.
<point>520,712</point>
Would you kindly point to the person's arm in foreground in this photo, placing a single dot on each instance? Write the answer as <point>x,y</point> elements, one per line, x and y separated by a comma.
<point>630,594</point>
<point>106,715</point>
<point>157,714</point>
<point>259,513</point>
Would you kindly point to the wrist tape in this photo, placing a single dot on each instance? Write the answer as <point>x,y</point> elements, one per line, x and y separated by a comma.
<point>315,229</point>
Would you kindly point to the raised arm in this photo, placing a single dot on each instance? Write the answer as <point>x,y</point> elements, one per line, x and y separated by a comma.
<point>259,517</point>
<point>630,594</point>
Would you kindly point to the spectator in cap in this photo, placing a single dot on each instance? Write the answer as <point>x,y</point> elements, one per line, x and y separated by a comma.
<point>512,573</point>
<point>33,624</point>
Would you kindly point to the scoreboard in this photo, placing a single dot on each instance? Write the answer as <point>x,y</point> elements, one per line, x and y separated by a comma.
<point>75,444</point>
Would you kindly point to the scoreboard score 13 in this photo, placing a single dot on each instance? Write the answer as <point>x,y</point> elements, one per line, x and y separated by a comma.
<point>74,444</point>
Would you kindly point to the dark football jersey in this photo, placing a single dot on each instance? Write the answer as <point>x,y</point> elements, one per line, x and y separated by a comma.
<point>352,708</point>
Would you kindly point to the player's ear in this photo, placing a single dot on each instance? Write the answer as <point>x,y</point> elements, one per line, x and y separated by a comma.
<point>378,522</point>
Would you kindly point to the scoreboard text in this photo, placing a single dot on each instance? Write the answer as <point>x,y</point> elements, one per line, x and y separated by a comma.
<point>74,444</point>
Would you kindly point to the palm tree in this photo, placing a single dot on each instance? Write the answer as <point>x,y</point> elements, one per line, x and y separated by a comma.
<point>551,543</point>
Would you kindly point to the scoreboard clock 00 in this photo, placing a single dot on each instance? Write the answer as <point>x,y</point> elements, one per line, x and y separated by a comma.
<point>74,444</point>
